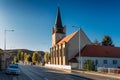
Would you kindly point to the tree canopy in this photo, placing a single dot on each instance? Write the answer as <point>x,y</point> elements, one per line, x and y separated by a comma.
<point>46,57</point>
<point>107,41</point>
<point>89,65</point>
<point>36,57</point>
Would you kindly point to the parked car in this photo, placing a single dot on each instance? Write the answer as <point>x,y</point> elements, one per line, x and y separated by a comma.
<point>13,69</point>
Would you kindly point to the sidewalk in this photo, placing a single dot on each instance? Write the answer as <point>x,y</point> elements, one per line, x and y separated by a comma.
<point>116,76</point>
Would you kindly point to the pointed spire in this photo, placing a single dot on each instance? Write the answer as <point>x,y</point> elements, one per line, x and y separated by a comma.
<point>58,22</point>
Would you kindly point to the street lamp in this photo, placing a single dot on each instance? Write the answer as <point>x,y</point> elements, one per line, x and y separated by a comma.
<point>5,38</point>
<point>5,31</point>
<point>80,57</point>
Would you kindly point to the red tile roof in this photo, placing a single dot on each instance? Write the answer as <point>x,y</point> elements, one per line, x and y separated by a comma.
<point>100,51</point>
<point>66,39</point>
<point>74,60</point>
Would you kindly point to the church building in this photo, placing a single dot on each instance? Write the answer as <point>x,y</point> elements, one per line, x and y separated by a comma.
<point>65,47</point>
<point>76,48</point>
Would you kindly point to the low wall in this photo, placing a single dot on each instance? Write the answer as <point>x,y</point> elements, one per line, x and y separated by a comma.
<point>59,67</point>
<point>74,65</point>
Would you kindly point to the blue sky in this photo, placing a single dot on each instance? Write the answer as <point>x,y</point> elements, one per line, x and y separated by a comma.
<point>33,20</point>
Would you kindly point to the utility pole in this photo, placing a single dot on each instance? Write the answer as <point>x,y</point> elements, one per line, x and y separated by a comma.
<point>79,51</point>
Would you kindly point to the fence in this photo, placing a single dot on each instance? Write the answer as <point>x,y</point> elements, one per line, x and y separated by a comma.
<point>108,70</point>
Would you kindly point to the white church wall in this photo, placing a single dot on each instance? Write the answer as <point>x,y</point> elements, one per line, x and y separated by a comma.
<point>72,47</point>
<point>84,40</point>
<point>73,44</point>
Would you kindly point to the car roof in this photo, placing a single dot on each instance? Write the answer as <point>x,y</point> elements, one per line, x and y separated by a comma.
<point>13,65</point>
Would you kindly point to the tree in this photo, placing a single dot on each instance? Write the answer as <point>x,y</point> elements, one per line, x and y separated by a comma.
<point>30,59</point>
<point>25,57</point>
<point>22,56</point>
<point>107,41</point>
<point>19,55</point>
<point>89,65</point>
<point>15,59</point>
<point>36,57</point>
<point>46,57</point>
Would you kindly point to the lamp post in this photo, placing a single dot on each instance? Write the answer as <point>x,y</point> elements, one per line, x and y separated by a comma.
<point>79,51</point>
<point>5,31</point>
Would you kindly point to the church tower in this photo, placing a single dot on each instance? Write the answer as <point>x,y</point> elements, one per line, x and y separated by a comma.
<point>58,31</point>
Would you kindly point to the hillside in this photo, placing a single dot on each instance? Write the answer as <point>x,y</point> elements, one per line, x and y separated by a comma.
<point>15,51</point>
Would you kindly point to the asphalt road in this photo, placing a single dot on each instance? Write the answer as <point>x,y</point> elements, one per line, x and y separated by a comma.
<point>29,72</point>
<point>41,73</point>
<point>4,76</point>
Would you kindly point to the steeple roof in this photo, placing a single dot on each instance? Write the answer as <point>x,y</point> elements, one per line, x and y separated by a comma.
<point>58,22</point>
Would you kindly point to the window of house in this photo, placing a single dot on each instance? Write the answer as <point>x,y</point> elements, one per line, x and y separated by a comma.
<point>105,61</point>
<point>114,61</point>
<point>96,62</point>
